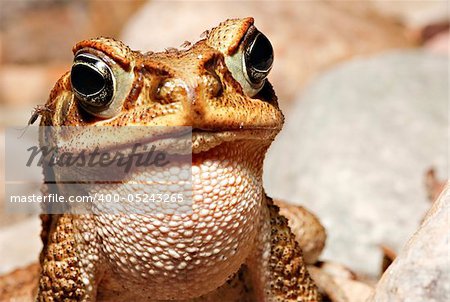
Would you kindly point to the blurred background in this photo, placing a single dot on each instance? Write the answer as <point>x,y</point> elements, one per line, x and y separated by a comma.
<point>363,84</point>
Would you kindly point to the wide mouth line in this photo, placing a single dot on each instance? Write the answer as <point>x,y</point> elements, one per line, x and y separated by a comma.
<point>229,130</point>
<point>217,136</point>
<point>204,141</point>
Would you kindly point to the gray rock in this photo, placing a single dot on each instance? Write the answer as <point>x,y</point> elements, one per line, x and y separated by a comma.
<point>420,271</point>
<point>355,149</point>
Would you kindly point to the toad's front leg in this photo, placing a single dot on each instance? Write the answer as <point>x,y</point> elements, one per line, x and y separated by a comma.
<point>277,267</point>
<point>308,231</point>
<point>69,260</point>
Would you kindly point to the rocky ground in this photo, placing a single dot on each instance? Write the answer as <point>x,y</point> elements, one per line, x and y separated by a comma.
<point>356,147</point>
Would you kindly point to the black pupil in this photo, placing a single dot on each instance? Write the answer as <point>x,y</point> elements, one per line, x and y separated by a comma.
<point>261,54</point>
<point>86,79</point>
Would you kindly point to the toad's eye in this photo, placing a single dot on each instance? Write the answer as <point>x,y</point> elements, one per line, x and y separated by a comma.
<point>258,58</point>
<point>251,63</point>
<point>92,82</point>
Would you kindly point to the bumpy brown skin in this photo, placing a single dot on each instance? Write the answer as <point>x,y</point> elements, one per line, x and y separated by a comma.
<point>235,246</point>
<point>308,230</point>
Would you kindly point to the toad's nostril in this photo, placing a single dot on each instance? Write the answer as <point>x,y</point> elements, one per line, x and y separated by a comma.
<point>171,91</point>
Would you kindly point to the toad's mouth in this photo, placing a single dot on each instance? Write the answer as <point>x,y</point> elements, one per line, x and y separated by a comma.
<point>141,155</point>
<point>173,140</point>
<point>203,141</point>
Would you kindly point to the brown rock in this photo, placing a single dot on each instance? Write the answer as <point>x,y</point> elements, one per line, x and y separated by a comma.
<point>20,285</point>
<point>338,287</point>
<point>28,85</point>
<point>45,31</point>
